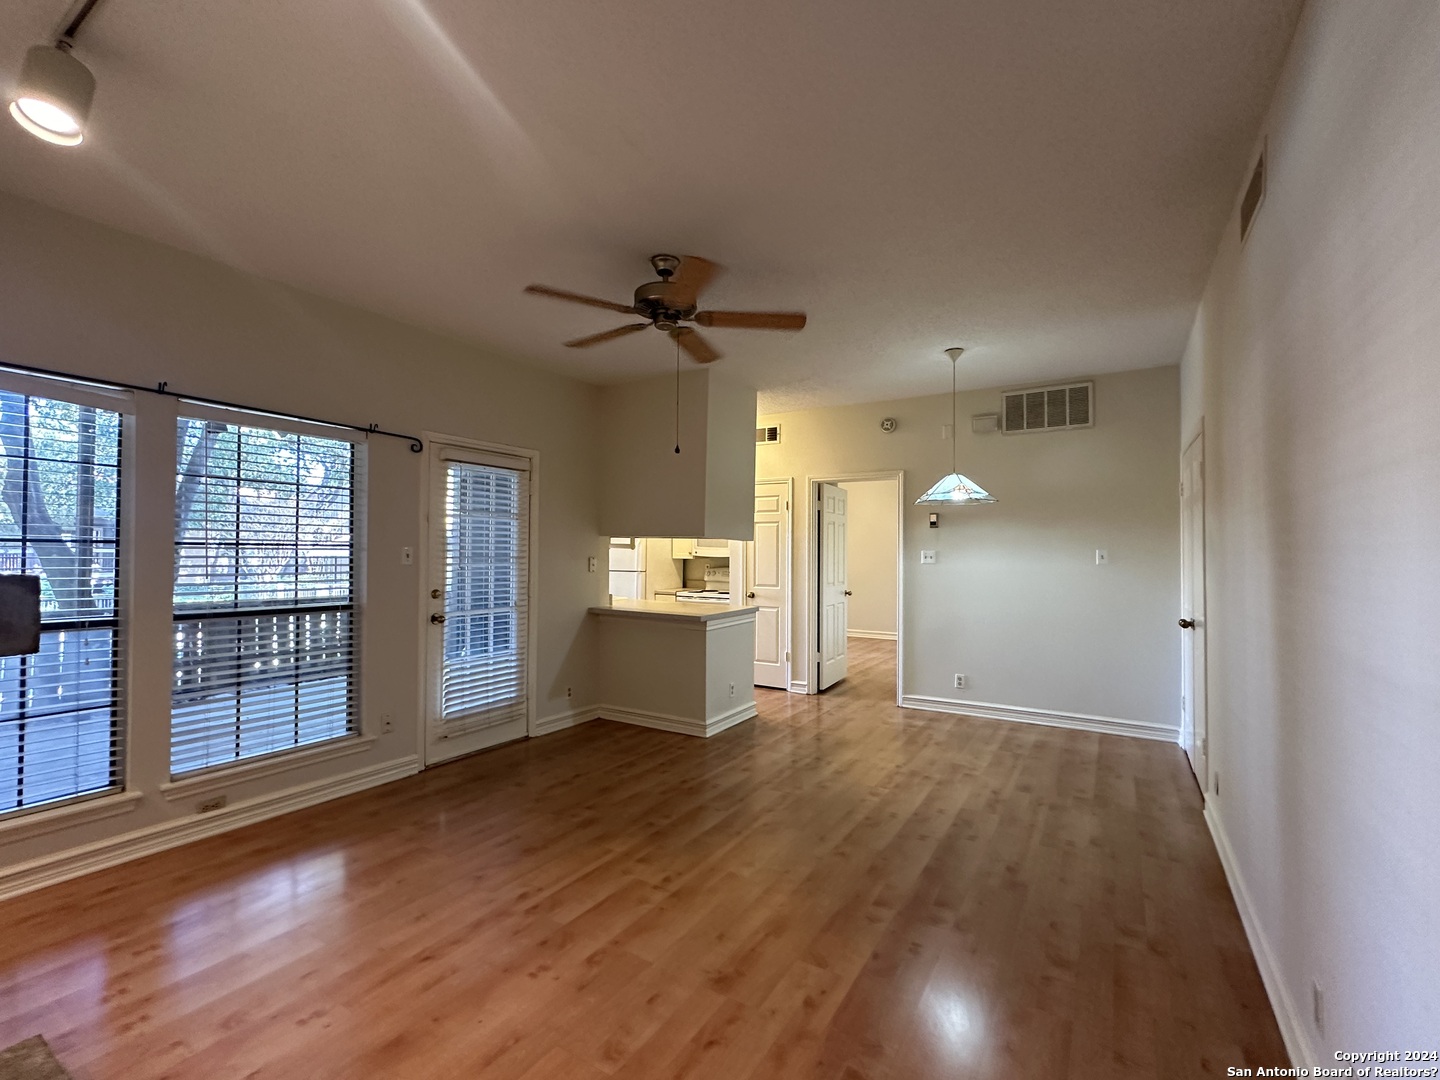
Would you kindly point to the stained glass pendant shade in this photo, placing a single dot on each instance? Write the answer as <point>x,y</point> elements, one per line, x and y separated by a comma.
<point>954,489</point>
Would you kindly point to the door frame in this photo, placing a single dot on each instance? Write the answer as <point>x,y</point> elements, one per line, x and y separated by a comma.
<point>1194,708</point>
<point>788,555</point>
<point>811,601</point>
<point>434,440</point>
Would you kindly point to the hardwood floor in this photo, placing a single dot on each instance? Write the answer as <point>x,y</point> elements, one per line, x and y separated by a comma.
<point>839,889</point>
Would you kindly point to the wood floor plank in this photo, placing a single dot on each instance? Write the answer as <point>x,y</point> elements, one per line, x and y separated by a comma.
<point>840,889</point>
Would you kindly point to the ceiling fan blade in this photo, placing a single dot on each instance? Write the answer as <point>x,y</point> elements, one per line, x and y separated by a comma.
<point>694,274</point>
<point>699,349</point>
<point>579,298</point>
<point>608,335</point>
<point>753,320</point>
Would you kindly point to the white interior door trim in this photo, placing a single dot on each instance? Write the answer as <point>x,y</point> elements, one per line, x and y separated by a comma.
<point>809,602</point>
<point>433,442</point>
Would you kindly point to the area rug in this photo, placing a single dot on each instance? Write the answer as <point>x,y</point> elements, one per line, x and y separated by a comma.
<point>30,1060</point>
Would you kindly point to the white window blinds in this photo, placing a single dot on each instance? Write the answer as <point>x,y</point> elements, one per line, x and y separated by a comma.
<point>61,731</point>
<point>484,673</point>
<point>264,614</point>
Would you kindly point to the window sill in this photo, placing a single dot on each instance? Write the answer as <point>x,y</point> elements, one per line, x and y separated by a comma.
<point>224,776</point>
<point>69,815</point>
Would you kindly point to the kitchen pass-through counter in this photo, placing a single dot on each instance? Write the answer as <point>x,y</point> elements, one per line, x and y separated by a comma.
<point>677,666</point>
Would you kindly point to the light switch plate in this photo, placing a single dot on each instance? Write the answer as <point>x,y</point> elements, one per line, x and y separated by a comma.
<point>407,556</point>
<point>927,557</point>
<point>1101,557</point>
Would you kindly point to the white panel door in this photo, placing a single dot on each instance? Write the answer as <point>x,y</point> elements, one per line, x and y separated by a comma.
<point>478,602</point>
<point>1194,734</point>
<point>834,606</point>
<point>767,573</point>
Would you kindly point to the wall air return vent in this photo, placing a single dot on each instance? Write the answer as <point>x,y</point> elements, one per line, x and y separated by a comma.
<point>767,434</point>
<point>1049,408</point>
<point>1254,196</point>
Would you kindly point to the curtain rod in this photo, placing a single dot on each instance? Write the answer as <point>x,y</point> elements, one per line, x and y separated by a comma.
<point>163,390</point>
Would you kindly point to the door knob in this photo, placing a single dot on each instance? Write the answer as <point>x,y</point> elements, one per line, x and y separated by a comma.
<point>749,596</point>
<point>1187,624</point>
<point>849,593</point>
<point>437,618</point>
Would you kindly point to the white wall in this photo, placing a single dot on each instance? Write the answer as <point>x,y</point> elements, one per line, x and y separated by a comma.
<point>1015,600</point>
<point>1313,364</point>
<point>872,542</point>
<point>90,300</point>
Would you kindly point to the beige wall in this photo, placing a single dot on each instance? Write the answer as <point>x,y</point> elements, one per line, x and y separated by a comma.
<point>871,570</point>
<point>87,299</point>
<point>706,489</point>
<point>1313,364</point>
<point>1015,600</point>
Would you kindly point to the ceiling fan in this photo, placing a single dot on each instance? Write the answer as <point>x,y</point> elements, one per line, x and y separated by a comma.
<point>673,300</point>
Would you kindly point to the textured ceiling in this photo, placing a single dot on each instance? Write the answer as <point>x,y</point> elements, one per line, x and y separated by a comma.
<point>1042,182</point>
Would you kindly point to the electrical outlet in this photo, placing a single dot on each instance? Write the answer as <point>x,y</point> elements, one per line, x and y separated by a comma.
<point>732,689</point>
<point>959,682</point>
<point>387,723</point>
<point>1317,1006</point>
<point>927,557</point>
<point>569,691</point>
<point>210,805</point>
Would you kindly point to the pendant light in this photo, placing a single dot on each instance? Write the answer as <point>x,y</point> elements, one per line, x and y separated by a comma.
<point>954,489</point>
<point>52,98</point>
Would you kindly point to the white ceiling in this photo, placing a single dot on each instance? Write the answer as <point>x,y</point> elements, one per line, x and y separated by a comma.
<point>1042,181</point>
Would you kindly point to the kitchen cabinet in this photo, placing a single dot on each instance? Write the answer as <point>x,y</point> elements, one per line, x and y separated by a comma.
<point>699,549</point>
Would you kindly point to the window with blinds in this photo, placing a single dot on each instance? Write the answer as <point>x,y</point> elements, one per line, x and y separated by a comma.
<point>264,613</point>
<point>484,675</point>
<point>61,733</point>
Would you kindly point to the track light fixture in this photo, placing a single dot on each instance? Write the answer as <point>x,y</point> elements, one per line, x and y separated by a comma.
<point>52,98</point>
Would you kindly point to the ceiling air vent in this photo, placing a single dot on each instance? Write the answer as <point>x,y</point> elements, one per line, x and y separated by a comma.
<point>1049,408</point>
<point>1254,196</point>
<point>767,434</point>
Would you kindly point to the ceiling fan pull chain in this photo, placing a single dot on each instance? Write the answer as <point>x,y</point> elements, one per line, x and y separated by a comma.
<point>677,395</point>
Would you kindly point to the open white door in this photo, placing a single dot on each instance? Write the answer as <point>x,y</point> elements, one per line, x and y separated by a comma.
<point>767,577</point>
<point>834,607</point>
<point>478,643</point>
<point>1192,610</point>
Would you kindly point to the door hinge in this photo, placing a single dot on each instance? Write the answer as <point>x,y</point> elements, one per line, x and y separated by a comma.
<point>787,656</point>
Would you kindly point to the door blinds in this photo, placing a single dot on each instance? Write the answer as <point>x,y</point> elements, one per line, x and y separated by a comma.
<point>61,731</point>
<point>484,675</point>
<point>265,627</point>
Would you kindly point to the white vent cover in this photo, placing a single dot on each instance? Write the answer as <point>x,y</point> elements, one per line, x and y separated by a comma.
<point>767,434</point>
<point>1049,408</point>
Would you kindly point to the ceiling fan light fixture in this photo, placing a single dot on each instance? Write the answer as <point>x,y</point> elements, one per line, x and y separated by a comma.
<point>954,488</point>
<point>52,99</point>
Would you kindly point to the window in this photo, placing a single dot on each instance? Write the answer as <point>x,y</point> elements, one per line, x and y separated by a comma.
<point>264,592</point>
<point>484,676</point>
<point>61,732</point>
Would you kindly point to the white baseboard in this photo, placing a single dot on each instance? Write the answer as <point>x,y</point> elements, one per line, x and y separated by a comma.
<point>878,635</point>
<point>799,686</point>
<point>76,862</point>
<point>1105,725</point>
<point>1292,1028</point>
<point>548,725</point>
<point>681,725</point>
